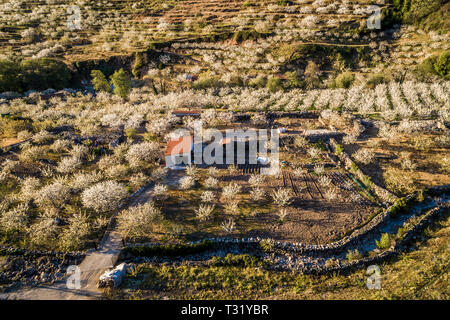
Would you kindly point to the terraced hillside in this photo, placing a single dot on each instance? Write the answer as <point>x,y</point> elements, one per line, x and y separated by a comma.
<point>253,37</point>
<point>122,26</point>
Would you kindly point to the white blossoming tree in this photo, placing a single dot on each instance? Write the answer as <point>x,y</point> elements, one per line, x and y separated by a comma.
<point>138,221</point>
<point>104,196</point>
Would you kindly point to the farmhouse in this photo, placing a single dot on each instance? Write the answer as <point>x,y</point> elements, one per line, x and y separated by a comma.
<point>179,151</point>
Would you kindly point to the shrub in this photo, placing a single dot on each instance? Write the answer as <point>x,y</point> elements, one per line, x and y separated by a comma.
<point>398,208</point>
<point>258,82</point>
<point>99,81</point>
<point>9,80</point>
<point>364,156</point>
<point>339,149</point>
<point>442,65</point>
<point>10,127</point>
<point>426,68</point>
<point>206,80</point>
<point>256,180</point>
<point>332,263</point>
<point>229,225</point>
<point>293,80</point>
<point>230,191</point>
<point>267,245</point>
<point>300,142</point>
<point>423,143</point>
<point>160,192</point>
<point>400,232</point>
<point>375,79</point>
<point>122,83</point>
<point>274,84</point>
<point>345,80</point>
<point>282,197</point>
<point>243,35</point>
<point>186,182</point>
<point>204,212</point>
<point>211,183</point>
<point>398,182</point>
<point>231,207</point>
<point>208,196</point>
<point>237,260</point>
<point>131,133</point>
<point>44,73</point>
<point>384,242</point>
<point>353,255</point>
<point>257,194</point>
<point>282,214</point>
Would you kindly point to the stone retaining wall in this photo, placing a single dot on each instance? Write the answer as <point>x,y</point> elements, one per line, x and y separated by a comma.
<point>40,253</point>
<point>248,246</point>
<point>393,251</point>
<point>301,248</point>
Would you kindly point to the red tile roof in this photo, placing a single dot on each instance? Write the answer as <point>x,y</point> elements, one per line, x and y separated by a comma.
<point>179,146</point>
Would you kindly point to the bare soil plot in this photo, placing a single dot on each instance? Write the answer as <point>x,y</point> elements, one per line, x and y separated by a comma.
<point>8,141</point>
<point>311,218</point>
